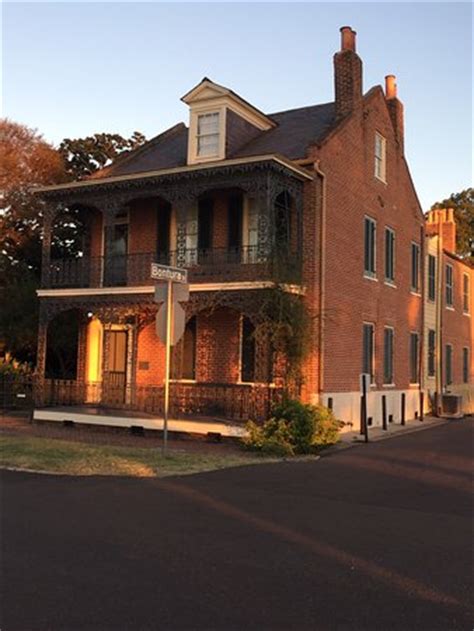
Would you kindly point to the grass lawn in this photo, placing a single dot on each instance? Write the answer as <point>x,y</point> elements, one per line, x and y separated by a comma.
<point>74,458</point>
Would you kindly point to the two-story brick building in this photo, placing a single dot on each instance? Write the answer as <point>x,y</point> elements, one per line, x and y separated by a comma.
<point>316,204</point>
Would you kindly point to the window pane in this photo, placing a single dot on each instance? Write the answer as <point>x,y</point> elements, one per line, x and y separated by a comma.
<point>415,266</point>
<point>368,350</point>
<point>466,293</point>
<point>431,352</point>
<point>449,364</point>
<point>369,246</point>
<point>465,365</point>
<point>388,356</point>
<point>413,358</point>
<point>208,124</point>
<point>431,277</point>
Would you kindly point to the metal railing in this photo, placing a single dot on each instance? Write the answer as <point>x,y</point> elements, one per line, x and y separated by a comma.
<point>240,263</point>
<point>234,402</point>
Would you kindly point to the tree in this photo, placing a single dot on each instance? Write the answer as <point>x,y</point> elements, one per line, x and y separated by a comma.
<point>463,205</point>
<point>84,156</point>
<point>26,160</point>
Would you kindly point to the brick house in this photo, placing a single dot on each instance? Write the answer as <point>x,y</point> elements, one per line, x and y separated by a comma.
<point>314,205</point>
<point>449,305</point>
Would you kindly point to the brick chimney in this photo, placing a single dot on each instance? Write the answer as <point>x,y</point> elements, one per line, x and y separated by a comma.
<point>347,74</point>
<point>395,108</point>
<point>441,221</point>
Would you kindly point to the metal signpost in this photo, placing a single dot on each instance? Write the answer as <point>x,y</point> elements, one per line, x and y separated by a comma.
<point>170,321</point>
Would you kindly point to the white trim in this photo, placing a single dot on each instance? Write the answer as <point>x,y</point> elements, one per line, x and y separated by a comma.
<point>149,289</point>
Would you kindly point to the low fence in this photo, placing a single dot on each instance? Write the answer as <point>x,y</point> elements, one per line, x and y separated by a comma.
<point>236,402</point>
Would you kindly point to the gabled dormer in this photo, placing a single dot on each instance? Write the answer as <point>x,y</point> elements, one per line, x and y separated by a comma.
<point>220,122</point>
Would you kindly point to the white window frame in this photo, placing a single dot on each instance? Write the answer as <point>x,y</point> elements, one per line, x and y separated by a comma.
<point>466,293</point>
<point>392,382</point>
<point>417,358</point>
<point>431,257</point>
<point>199,136</point>
<point>196,111</point>
<point>415,288</point>
<point>465,366</point>
<point>449,287</point>
<point>450,383</point>
<point>372,362</point>
<point>390,280</point>
<point>372,274</point>
<point>380,157</point>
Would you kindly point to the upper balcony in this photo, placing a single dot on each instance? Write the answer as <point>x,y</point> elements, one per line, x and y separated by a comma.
<point>209,265</point>
<point>237,223</point>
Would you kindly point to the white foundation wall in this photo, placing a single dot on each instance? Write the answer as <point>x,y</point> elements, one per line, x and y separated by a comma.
<point>346,406</point>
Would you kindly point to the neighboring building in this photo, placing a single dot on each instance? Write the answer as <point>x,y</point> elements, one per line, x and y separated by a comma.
<point>316,201</point>
<point>449,309</point>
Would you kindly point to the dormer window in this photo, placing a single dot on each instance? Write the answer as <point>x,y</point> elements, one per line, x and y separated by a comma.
<point>208,135</point>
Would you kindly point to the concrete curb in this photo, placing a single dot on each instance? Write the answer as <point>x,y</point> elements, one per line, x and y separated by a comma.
<point>342,446</point>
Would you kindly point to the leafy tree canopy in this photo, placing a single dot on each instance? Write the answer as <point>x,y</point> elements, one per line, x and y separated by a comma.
<point>84,156</point>
<point>463,205</point>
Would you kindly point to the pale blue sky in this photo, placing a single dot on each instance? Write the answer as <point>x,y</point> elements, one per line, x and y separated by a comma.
<point>73,69</point>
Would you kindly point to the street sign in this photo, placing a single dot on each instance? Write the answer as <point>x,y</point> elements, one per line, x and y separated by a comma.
<point>178,323</point>
<point>180,293</point>
<point>168,273</point>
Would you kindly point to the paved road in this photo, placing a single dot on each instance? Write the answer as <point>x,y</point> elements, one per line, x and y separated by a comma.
<point>375,537</point>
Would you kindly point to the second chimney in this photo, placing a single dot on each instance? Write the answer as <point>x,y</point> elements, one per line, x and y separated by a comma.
<point>347,74</point>
<point>395,108</point>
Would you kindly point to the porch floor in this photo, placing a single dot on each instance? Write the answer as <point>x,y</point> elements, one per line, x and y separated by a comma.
<point>128,418</point>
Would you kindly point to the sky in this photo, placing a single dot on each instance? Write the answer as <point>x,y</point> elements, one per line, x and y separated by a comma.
<point>71,69</point>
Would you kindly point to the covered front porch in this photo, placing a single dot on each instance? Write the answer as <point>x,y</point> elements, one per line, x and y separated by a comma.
<point>224,369</point>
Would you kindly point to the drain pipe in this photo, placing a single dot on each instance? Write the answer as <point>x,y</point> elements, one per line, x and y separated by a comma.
<point>322,268</point>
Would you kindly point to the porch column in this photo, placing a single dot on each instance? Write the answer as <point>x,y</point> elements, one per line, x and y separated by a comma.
<point>259,196</point>
<point>182,206</point>
<point>48,218</point>
<point>43,321</point>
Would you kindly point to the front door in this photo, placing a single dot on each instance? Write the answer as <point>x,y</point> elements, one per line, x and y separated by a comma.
<point>116,376</point>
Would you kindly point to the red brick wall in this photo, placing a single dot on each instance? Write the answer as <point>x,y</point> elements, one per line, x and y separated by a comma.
<point>217,357</point>
<point>152,353</point>
<point>143,226</point>
<point>353,191</point>
<point>457,328</point>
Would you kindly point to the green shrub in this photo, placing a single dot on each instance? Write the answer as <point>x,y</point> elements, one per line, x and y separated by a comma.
<point>294,428</point>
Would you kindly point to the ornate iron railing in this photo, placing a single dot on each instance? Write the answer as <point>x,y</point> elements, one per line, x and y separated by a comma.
<point>234,402</point>
<point>233,264</point>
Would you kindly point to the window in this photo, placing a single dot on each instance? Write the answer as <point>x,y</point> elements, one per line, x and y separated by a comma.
<point>431,277</point>
<point>208,134</point>
<point>415,267</point>
<point>465,365</point>
<point>465,293</point>
<point>368,350</point>
<point>449,285</point>
<point>183,358</point>
<point>431,352</point>
<point>414,346</point>
<point>369,247</point>
<point>449,364</point>
<point>380,159</point>
<point>234,226</point>
<point>389,255</point>
<point>247,351</point>
<point>388,355</point>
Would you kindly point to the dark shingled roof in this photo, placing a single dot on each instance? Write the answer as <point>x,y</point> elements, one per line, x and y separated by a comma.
<point>296,130</point>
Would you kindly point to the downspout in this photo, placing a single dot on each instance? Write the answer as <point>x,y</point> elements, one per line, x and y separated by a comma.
<point>322,269</point>
<point>439,327</point>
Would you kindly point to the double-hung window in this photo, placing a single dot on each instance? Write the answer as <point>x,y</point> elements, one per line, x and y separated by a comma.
<point>414,349</point>
<point>431,352</point>
<point>208,134</point>
<point>465,293</point>
<point>369,247</point>
<point>448,364</point>
<point>388,355</point>
<point>431,277</point>
<point>380,157</point>
<point>415,267</point>
<point>389,255</point>
<point>465,364</point>
<point>449,285</point>
<point>368,350</point>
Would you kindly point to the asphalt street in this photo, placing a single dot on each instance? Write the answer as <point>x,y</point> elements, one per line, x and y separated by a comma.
<point>374,537</point>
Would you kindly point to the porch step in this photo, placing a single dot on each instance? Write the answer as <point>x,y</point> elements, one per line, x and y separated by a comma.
<point>114,419</point>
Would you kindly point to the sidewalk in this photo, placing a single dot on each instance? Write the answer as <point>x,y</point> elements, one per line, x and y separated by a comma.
<point>394,429</point>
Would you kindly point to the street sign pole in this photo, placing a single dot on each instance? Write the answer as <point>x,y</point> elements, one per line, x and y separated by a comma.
<point>169,315</point>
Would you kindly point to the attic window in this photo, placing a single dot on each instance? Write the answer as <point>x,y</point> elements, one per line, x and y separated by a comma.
<point>208,134</point>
